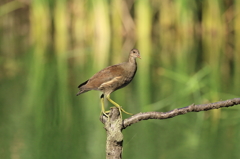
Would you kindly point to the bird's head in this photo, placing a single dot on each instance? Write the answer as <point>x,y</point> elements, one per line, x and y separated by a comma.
<point>135,53</point>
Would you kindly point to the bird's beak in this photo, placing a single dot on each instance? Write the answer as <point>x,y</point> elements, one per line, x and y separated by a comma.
<point>139,56</point>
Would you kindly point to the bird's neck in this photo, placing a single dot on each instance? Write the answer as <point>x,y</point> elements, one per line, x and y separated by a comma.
<point>132,60</point>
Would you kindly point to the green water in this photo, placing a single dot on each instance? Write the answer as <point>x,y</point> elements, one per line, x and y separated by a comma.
<point>42,118</point>
<point>190,54</point>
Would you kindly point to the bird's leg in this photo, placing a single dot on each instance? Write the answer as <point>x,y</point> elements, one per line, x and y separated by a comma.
<point>118,106</point>
<point>102,103</point>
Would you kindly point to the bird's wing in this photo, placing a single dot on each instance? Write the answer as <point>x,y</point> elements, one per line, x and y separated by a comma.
<point>110,84</point>
<point>105,75</point>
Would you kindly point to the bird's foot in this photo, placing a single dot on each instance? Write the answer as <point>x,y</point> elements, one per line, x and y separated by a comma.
<point>118,106</point>
<point>106,113</point>
<point>125,111</point>
<point>122,110</point>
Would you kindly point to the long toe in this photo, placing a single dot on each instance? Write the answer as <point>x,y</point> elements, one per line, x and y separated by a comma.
<point>125,111</point>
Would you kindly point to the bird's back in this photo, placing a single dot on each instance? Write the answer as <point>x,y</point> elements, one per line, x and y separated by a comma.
<point>103,76</point>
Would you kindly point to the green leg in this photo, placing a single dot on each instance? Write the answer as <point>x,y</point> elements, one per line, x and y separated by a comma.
<point>118,106</point>
<point>103,109</point>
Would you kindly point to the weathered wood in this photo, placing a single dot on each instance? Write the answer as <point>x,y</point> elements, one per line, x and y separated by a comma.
<point>114,124</point>
<point>114,142</point>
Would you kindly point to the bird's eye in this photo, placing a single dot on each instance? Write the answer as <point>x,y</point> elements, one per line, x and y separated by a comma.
<point>134,51</point>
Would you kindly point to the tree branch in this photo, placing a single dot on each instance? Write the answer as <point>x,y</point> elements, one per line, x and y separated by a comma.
<point>192,108</point>
<point>114,124</point>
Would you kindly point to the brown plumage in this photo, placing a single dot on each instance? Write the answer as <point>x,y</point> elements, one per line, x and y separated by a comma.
<point>112,78</point>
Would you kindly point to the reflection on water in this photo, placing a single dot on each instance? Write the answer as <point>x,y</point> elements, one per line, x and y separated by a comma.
<point>187,57</point>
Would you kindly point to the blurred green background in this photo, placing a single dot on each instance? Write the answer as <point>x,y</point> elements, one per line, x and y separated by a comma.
<point>190,54</point>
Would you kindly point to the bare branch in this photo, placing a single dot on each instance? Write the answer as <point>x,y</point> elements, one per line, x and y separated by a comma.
<point>192,108</point>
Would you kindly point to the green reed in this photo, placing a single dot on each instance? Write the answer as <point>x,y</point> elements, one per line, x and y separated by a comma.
<point>190,54</point>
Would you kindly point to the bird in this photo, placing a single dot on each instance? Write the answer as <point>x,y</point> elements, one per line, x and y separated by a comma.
<point>111,79</point>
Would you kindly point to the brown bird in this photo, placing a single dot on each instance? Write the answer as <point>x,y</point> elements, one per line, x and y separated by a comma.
<point>111,79</point>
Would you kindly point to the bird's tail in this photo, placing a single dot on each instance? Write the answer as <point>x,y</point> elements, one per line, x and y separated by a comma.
<point>81,91</point>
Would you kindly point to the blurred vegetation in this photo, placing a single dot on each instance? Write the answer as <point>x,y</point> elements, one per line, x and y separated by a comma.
<point>190,54</point>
